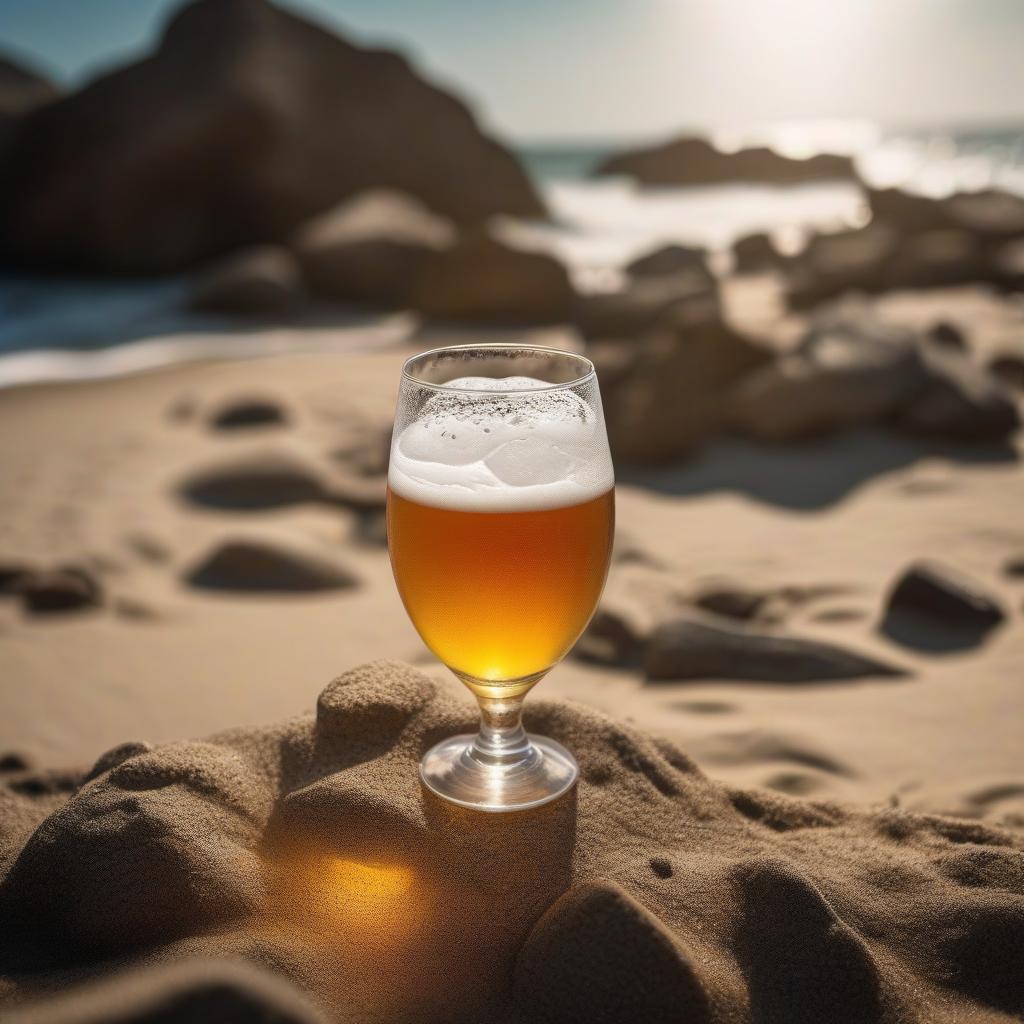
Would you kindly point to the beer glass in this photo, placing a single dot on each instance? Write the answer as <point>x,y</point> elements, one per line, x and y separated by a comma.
<point>500,517</point>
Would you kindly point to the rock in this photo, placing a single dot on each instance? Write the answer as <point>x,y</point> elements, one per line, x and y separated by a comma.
<point>60,590</point>
<point>370,248</point>
<point>260,281</point>
<point>257,563</point>
<point>614,636</point>
<point>937,259</point>
<point>246,122</point>
<point>936,592</point>
<point>692,160</point>
<point>1009,368</point>
<point>692,649</point>
<point>1008,265</point>
<point>1014,567</point>
<point>669,259</point>
<point>756,252</point>
<point>959,402</point>
<point>14,762</point>
<point>637,598</point>
<point>673,397</point>
<point>238,413</point>
<point>22,88</point>
<point>12,574</point>
<point>990,214</point>
<point>483,280</point>
<point>845,373</point>
<point>261,479</point>
<point>732,602</point>
<point>906,212</point>
<point>832,264</point>
<point>642,302</point>
<point>947,336</point>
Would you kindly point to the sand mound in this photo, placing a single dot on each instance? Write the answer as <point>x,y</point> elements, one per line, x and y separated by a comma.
<point>652,893</point>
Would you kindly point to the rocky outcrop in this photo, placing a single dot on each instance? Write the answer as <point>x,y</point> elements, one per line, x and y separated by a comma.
<point>22,88</point>
<point>485,280</point>
<point>671,397</point>
<point>691,160</point>
<point>371,248</point>
<point>246,122</point>
<point>851,372</point>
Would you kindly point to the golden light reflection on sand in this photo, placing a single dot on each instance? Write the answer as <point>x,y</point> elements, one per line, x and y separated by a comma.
<point>369,895</point>
<point>353,902</point>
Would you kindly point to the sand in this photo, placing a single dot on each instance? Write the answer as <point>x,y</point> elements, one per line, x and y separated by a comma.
<point>736,851</point>
<point>652,893</point>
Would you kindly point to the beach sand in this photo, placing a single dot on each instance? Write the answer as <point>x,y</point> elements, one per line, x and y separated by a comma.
<point>729,841</point>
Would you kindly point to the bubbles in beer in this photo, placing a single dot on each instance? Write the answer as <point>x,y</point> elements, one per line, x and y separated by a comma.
<point>472,447</point>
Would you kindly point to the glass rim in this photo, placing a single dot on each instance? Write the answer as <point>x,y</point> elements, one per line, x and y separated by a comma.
<point>498,346</point>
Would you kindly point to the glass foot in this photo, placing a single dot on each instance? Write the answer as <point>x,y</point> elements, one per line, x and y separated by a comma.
<point>454,771</point>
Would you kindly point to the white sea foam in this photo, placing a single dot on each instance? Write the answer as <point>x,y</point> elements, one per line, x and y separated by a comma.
<point>472,449</point>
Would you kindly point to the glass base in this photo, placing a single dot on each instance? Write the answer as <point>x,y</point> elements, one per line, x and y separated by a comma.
<point>454,771</point>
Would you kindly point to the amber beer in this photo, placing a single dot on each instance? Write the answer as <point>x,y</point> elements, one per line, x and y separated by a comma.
<point>500,596</point>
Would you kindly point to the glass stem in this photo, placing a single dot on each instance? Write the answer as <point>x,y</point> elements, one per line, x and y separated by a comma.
<point>502,740</point>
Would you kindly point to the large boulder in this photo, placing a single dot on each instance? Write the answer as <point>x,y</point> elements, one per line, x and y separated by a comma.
<point>832,264</point>
<point>668,259</point>
<point>844,373</point>
<point>638,306</point>
<point>22,88</point>
<point>482,279</point>
<point>959,402</point>
<point>246,122</point>
<point>370,248</point>
<point>756,252</point>
<point>856,371</point>
<point>990,214</point>
<point>671,399</point>
<point>691,160</point>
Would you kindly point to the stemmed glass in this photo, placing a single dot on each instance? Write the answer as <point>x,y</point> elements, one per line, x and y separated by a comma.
<point>500,514</point>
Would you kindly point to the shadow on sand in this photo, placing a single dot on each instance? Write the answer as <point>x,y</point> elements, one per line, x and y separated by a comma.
<point>810,475</point>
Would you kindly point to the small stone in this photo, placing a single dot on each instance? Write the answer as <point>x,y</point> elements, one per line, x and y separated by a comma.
<point>267,564</point>
<point>248,412</point>
<point>661,867</point>
<point>940,593</point>
<point>60,590</point>
<point>692,649</point>
<point>947,335</point>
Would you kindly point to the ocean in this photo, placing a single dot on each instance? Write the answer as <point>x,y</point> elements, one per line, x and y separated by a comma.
<point>68,328</point>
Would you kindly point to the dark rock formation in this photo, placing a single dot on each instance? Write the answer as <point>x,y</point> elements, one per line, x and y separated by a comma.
<point>693,649</point>
<point>482,279</point>
<point>692,160</point>
<point>643,301</point>
<point>669,259</point>
<point>60,590</point>
<point>371,248</point>
<point>22,88</point>
<point>671,398</point>
<point>246,122</point>
<point>269,564</point>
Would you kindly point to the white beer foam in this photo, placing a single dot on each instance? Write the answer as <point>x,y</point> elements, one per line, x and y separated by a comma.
<point>480,452</point>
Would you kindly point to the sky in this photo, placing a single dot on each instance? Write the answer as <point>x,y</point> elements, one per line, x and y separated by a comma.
<point>607,69</point>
